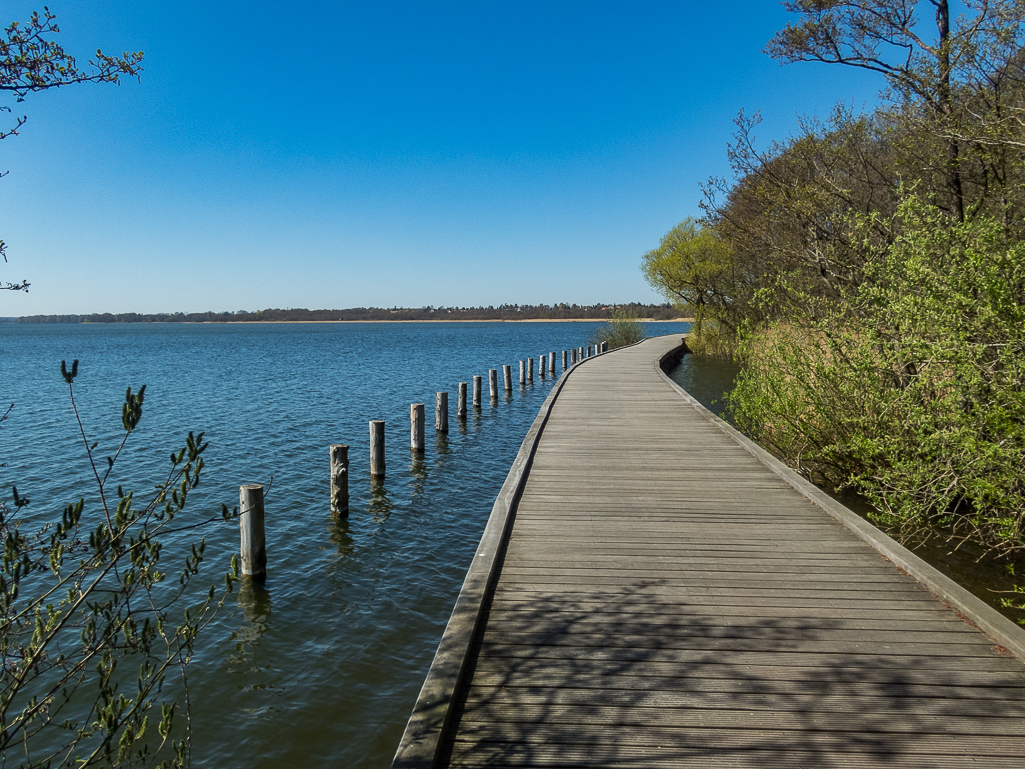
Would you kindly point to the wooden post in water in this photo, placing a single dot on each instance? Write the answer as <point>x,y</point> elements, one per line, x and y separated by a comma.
<point>551,363</point>
<point>580,353</point>
<point>564,366</point>
<point>250,522</point>
<point>493,383</point>
<point>507,378</point>
<point>416,427</point>
<point>376,448</point>
<point>541,366</point>
<point>523,372</point>
<point>530,369</point>
<point>339,479</point>
<point>605,346</point>
<point>441,412</point>
<point>476,392</point>
<point>573,355</point>
<point>461,400</point>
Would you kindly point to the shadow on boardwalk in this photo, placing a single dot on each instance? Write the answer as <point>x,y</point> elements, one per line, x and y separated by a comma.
<point>655,683</point>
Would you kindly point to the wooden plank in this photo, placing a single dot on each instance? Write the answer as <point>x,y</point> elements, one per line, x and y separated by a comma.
<point>625,658</point>
<point>884,721</point>
<point>578,674</point>
<point>934,745</point>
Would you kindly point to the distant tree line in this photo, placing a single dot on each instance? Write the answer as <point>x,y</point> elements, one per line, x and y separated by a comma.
<point>502,312</point>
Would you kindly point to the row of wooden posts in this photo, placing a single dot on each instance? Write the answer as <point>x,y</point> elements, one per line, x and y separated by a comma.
<point>250,497</point>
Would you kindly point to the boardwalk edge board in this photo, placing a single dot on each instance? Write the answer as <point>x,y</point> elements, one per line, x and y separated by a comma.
<point>421,740</point>
<point>999,628</point>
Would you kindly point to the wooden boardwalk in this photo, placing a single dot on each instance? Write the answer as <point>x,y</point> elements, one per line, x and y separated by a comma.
<point>665,597</point>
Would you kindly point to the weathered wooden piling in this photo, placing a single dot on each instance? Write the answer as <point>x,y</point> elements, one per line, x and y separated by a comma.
<point>339,479</point>
<point>530,369</point>
<point>564,366</point>
<point>461,400</point>
<point>493,383</point>
<point>551,363</point>
<point>441,412</point>
<point>416,427</point>
<point>250,522</point>
<point>376,448</point>
<point>476,392</point>
<point>573,355</point>
<point>523,372</point>
<point>541,365</point>
<point>507,377</point>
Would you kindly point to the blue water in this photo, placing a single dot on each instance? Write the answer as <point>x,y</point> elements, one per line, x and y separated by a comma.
<point>320,668</point>
<point>707,380</point>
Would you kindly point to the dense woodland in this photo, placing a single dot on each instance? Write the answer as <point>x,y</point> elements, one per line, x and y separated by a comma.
<point>502,312</point>
<point>869,272</point>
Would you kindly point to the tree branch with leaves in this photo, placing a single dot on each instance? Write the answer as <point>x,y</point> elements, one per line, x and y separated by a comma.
<point>31,61</point>
<point>85,602</point>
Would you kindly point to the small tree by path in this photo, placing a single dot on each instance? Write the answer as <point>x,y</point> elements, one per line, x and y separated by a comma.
<point>622,329</point>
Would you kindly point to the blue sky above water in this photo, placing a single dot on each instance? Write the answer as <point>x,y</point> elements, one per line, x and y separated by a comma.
<point>386,153</point>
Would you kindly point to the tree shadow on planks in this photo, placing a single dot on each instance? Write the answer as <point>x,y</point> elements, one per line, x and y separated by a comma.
<point>648,677</point>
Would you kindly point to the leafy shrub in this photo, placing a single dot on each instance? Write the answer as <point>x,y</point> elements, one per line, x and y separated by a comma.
<point>912,389</point>
<point>623,329</point>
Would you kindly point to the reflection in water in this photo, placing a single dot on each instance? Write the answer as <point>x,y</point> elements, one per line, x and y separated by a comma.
<point>254,600</point>
<point>707,379</point>
<point>380,506</point>
<point>418,471</point>
<point>339,536</point>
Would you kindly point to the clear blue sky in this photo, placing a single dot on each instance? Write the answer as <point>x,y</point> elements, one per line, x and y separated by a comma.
<point>337,154</point>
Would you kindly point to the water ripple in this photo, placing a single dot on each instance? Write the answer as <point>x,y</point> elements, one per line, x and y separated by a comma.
<point>322,666</point>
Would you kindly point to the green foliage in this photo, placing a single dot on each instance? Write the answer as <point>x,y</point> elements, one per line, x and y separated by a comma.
<point>622,329</point>
<point>90,626</point>
<point>882,263</point>
<point>694,268</point>
<point>911,388</point>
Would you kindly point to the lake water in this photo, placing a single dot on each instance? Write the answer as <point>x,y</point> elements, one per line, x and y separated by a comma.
<point>322,666</point>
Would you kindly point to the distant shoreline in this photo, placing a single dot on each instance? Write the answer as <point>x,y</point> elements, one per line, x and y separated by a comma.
<point>518,313</point>
<point>439,320</point>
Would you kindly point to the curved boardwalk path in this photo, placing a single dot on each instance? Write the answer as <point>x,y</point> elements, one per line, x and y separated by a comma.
<point>670,599</point>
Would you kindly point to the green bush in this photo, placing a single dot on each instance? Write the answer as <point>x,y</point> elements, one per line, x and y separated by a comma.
<point>623,329</point>
<point>910,389</point>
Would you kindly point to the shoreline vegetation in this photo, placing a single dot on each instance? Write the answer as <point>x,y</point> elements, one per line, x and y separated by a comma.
<point>868,275</point>
<point>505,312</point>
